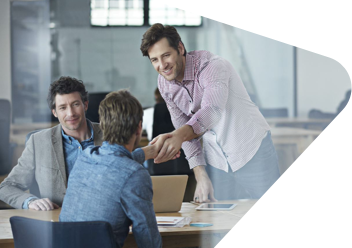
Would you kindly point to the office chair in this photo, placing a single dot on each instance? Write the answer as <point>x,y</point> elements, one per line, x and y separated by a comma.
<point>93,108</point>
<point>6,148</point>
<point>31,233</point>
<point>162,124</point>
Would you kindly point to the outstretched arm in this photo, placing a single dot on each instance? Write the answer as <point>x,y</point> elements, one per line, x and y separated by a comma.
<point>172,145</point>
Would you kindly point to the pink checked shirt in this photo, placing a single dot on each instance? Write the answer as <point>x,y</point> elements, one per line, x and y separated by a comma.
<point>213,100</point>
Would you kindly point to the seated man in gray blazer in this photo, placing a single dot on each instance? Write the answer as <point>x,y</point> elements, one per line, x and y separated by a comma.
<point>50,154</point>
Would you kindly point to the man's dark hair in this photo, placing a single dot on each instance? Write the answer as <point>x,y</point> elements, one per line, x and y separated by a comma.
<point>156,33</point>
<point>66,85</point>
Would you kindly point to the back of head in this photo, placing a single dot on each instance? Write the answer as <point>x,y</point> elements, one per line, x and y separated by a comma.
<point>120,114</point>
<point>66,85</point>
<point>156,33</point>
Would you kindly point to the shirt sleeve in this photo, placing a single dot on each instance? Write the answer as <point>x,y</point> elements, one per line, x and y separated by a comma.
<point>136,201</point>
<point>138,155</point>
<point>192,148</point>
<point>214,80</point>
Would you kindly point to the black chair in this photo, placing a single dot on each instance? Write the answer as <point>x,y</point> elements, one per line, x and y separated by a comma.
<point>6,148</point>
<point>162,124</point>
<point>31,233</point>
<point>93,107</point>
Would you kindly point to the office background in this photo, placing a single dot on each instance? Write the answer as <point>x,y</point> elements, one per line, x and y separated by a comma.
<point>54,38</point>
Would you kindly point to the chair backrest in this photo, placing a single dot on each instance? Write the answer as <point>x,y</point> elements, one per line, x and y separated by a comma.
<point>31,233</point>
<point>93,108</point>
<point>5,159</point>
<point>162,124</point>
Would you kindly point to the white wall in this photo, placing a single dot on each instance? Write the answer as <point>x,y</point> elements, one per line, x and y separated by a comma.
<point>322,83</point>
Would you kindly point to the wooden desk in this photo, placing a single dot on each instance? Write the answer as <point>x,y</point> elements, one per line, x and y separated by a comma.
<point>187,236</point>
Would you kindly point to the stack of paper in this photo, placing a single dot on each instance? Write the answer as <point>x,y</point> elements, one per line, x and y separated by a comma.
<point>170,221</point>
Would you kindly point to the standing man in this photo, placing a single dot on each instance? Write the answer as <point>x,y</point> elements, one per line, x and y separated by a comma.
<point>208,103</point>
<point>50,154</point>
<point>109,183</point>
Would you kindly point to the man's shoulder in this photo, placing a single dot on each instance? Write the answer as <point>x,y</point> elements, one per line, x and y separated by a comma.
<point>47,132</point>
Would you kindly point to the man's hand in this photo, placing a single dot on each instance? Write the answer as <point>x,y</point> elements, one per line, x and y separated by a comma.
<point>204,189</point>
<point>155,146</point>
<point>170,147</point>
<point>42,204</point>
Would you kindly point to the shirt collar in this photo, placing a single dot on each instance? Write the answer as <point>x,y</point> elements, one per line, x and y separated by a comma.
<point>189,69</point>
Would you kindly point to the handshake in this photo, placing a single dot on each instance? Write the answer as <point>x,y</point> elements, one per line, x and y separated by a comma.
<point>165,147</point>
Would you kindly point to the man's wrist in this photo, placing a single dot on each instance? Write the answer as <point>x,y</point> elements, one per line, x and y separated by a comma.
<point>30,201</point>
<point>199,171</point>
<point>149,151</point>
<point>185,133</point>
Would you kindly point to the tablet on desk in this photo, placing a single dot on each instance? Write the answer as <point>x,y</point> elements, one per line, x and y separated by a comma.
<point>216,206</point>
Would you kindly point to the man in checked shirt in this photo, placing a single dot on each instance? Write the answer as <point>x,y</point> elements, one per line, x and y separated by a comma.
<point>209,104</point>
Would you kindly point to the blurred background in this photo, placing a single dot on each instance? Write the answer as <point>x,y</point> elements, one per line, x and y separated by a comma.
<point>98,41</point>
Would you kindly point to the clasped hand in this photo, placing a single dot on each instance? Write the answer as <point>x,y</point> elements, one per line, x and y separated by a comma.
<point>170,148</point>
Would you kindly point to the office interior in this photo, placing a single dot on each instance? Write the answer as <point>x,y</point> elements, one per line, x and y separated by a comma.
<point>298,91</point>
<point>43,40</point>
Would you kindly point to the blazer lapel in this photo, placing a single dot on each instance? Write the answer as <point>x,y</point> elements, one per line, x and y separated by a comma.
<point>56,137</point>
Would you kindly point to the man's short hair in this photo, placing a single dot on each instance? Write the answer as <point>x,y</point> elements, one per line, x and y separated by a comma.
<point>120,114</point>
<point>66,85</point>
<point>156,33</point>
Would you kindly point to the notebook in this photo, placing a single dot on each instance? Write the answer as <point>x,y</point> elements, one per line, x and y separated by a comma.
<point>168,192</point>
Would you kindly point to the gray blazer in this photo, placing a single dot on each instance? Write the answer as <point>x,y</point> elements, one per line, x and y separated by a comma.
<point>41,168</point>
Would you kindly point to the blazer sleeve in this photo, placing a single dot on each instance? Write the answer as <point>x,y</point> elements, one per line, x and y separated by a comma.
<point>20,178</point>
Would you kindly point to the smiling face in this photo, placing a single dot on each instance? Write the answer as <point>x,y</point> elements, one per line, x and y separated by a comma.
<point>168,62</point>
<point>70,110</point>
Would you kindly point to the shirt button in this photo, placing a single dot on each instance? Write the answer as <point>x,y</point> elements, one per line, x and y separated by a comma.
<point>79,147</point>
<point>190,100</point>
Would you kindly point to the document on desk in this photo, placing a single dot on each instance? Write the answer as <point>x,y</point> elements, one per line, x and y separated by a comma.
<point>172,221</point>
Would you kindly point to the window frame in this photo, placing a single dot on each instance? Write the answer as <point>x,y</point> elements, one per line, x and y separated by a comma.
<point>145,20</point>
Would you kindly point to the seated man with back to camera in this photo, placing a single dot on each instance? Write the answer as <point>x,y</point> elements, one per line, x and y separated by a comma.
<point>108,183</point>
<point>50,154</point>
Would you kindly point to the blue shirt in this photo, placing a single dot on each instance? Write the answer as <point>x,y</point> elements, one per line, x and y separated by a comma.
<point>72,148</point>
<point>109,183</point>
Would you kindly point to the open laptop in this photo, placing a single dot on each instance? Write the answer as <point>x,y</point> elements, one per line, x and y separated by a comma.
<point>168,192</point>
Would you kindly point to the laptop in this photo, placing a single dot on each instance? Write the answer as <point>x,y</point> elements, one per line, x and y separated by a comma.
<point>168,192</point>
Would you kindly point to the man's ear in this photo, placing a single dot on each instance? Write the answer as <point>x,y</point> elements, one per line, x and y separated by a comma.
<point>54,112</point>
<point>139,128</point>
<point>85,105</point>
<point>181,48</point>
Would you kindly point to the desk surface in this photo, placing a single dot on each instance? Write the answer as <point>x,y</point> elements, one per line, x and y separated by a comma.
<point>222,222</point>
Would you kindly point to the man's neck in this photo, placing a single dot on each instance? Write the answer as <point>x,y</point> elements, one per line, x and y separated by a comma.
<point>131,145</point>
<point>81,134</point>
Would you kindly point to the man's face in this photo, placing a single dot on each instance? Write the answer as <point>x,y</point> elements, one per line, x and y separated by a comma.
<point>167,61</point>
<point>70,110</point>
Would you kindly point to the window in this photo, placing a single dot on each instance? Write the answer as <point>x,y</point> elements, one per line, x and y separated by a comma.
<point>133,13</point>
